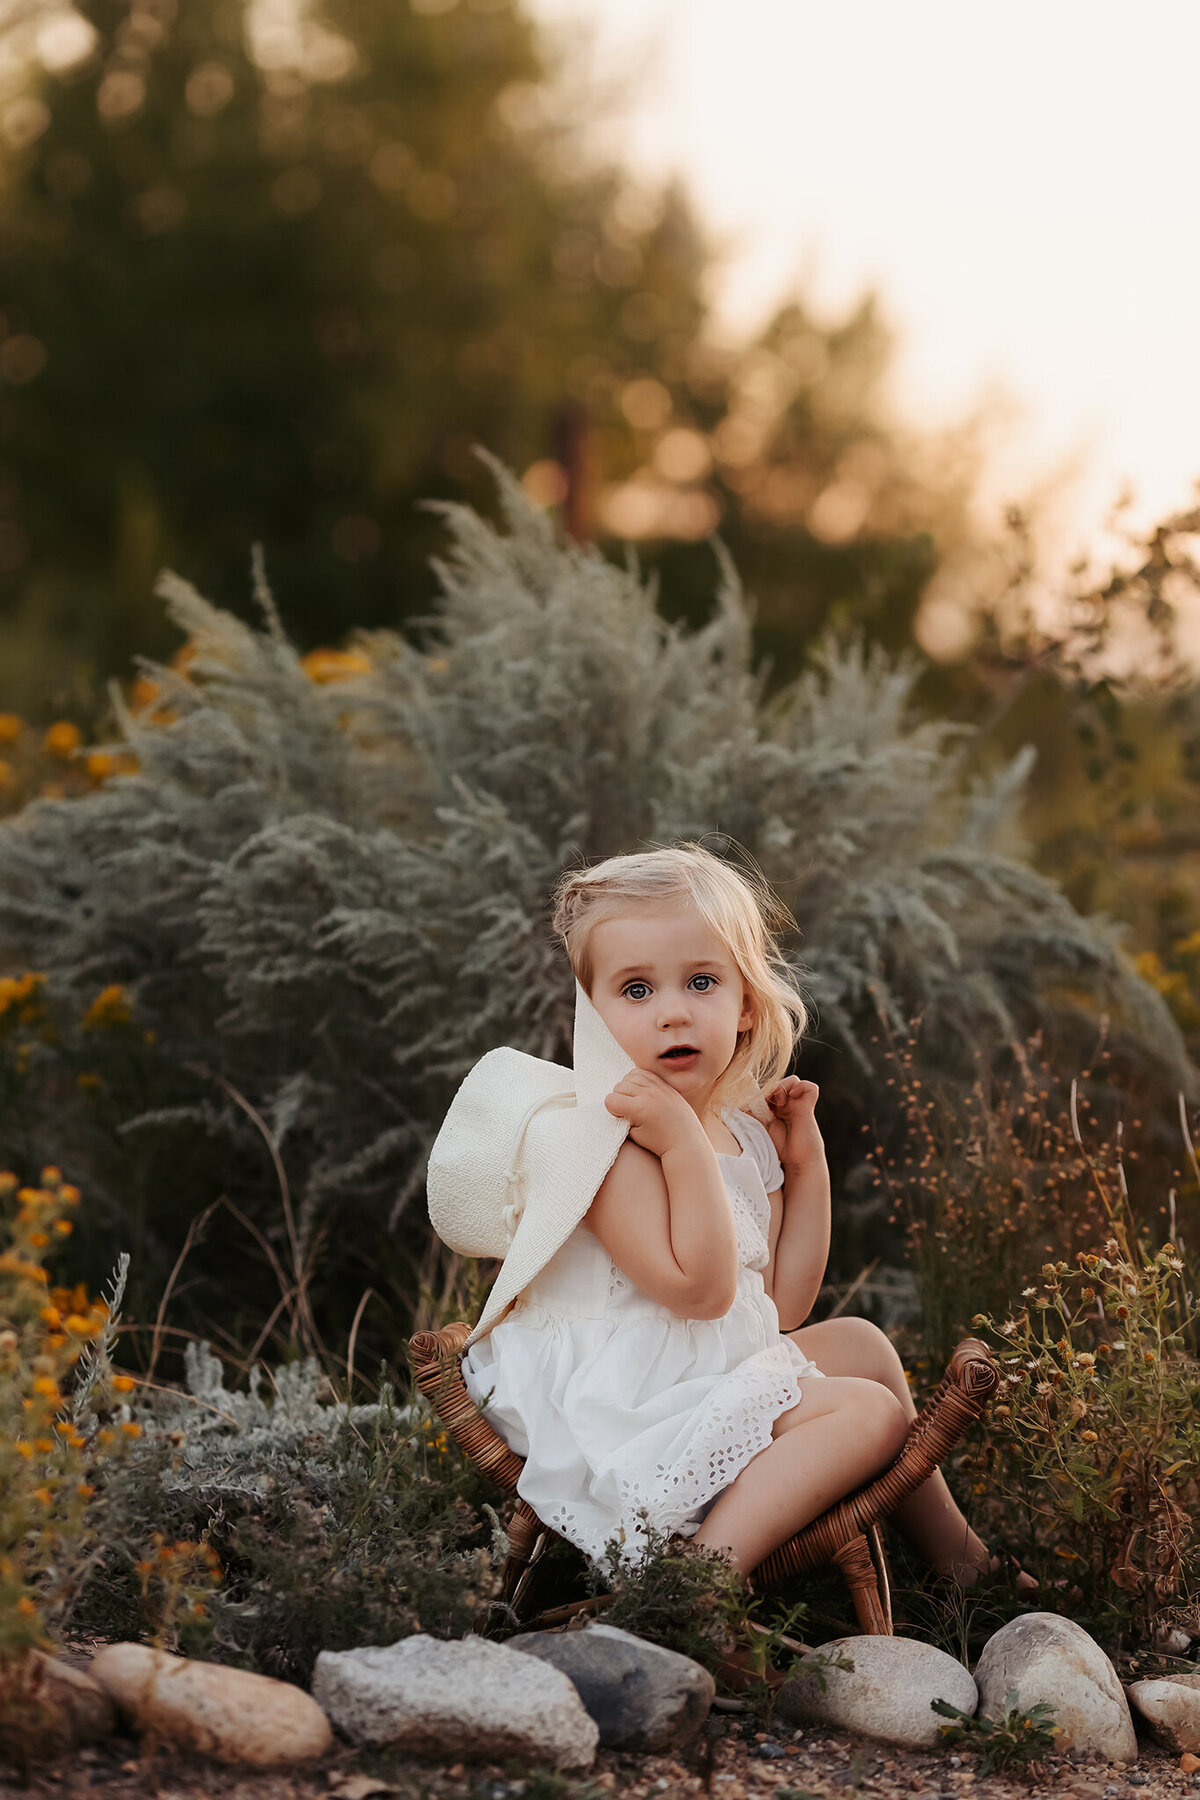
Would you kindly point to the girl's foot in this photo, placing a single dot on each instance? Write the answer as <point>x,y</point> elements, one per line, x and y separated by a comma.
<point>967,1574</point>
<point>1025,1583</point>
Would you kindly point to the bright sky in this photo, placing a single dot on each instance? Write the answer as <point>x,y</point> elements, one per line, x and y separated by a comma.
<point>1018,181</point>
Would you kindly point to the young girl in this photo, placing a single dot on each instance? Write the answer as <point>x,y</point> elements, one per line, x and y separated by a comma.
<point>658,1366</point>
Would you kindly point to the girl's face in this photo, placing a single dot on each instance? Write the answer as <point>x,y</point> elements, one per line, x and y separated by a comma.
<point>668,990</point>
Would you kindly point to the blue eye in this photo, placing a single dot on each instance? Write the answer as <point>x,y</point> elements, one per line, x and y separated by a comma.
<point>710,981</point>
<point>636,990</point>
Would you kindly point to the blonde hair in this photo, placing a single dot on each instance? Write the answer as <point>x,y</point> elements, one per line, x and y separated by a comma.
<point>734,903</point>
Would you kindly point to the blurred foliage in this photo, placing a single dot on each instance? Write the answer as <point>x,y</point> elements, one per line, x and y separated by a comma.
<point>257,964</point>
<point>1097,674</point>
<point>272,278</point>
<point>983,1181</point>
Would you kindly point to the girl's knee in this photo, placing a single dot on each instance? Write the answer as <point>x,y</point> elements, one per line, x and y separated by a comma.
<point>872,1349</point>
<point>880,1417</point>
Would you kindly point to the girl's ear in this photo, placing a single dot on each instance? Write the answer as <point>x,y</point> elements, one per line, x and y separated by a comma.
<point>749,1012</point>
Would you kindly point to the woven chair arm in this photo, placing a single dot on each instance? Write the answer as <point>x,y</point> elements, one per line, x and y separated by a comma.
<point>435,1359</point>
<point>955,1405</point>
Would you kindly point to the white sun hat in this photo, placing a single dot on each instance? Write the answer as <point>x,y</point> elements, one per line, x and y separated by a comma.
<point>522,1153</point>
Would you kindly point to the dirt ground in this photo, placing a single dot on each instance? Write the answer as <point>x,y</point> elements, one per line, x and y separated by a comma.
<point>734,1759</point>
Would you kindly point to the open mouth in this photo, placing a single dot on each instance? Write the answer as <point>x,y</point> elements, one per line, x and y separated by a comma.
<point>680,1053</point>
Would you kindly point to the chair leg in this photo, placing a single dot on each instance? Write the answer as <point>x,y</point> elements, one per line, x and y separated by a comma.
<point>883,1572</point>
<point>854,1560</point>
<point>517,1599</point>
<point>527,1539</point>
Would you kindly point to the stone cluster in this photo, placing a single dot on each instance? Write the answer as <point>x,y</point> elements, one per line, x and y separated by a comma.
<point>556,1697</point>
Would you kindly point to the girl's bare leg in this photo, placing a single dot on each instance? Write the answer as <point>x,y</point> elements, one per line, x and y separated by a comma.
<point>840,1433</point>
<point>929,1518</point>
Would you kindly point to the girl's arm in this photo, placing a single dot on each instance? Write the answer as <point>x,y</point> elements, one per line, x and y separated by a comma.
<point>800,1225</point>
<point>662,1212</point>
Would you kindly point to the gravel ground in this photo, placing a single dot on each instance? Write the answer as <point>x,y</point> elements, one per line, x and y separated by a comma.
<point>734,1759</point>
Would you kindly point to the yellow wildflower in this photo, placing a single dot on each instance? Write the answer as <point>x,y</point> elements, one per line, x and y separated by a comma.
<point>131,1430</point>
<point>26,1606</point>
<point>16,990</point>
<point>110,1007</point>
<point>16,1265</point>
<point>62,738</point>
<point>47,1388</point>
<point>335,665</point>
<point>44,1495</point>
<point>10,728</point>
<point>124,1384</point>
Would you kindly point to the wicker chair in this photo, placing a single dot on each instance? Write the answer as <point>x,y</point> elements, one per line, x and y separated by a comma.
<point>847,1534</point>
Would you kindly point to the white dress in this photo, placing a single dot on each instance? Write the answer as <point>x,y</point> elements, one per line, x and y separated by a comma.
<point>623,1411</point>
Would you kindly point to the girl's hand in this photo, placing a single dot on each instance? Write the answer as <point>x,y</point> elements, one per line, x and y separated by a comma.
<point>793,1127</point>
<point>659,1118</point>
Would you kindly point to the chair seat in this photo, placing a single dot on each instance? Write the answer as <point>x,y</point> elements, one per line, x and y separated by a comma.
<point>846,1534</point>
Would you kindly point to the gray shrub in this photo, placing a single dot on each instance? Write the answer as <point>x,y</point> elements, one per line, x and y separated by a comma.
<point>334,897</point>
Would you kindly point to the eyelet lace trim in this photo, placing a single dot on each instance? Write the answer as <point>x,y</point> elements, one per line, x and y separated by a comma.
<point>752,1222</point>
<point>729,1432</point>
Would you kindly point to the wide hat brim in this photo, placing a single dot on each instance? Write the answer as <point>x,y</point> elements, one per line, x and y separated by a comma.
<point>522,1153</point>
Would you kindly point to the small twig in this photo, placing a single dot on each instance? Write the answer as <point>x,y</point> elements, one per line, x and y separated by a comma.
<point>863,1275</point>
<point>1188,1145</point>
<point>285,1299</point>
<point>156,1387</point>
<point>262,1241</point>
<point>578,1609</point>
<point>784,1642</point>
<point>180,1331</point>
<point>305,1323</point>
<point>1116,1223</point>
<point>194,1229</point>
<point>358,1313</point>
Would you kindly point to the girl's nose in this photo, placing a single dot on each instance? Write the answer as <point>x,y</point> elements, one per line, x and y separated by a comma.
<point>674,1011</point>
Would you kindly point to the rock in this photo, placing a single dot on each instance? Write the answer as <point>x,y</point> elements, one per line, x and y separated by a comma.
<point>48,1708</point>
<point>888,1696</point>
<point>1044,1658</point>
<point>1170,1706</point>
<point>471,1699</point>
<point>227,1714</point>
<point>641,1696</point>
